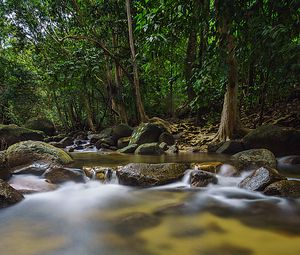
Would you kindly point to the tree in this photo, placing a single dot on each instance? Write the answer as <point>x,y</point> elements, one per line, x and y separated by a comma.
<point>139,104</point>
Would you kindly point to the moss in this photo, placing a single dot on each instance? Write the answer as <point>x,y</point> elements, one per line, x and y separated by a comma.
<point>27,151</point>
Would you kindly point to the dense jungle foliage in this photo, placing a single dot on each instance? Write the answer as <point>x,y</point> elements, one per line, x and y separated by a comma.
<point>76,62</point>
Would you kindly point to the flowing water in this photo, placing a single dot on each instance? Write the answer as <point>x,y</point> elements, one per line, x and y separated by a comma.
<point>95,218</point>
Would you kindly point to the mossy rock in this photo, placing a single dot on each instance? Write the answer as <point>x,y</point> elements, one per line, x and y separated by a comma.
<point>41,124</point>
<point>147,175</point>
<point>8,195</point>
<point>27,152</point>
<point>281,141</point>
<point>284,188</point>
<point>11,134</point>
<point>149,149</point>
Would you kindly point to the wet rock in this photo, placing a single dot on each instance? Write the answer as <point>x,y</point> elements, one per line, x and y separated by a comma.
<point>284,188</point>
<point>8,195</point>
<point>11,134</point>
<point>149,149</point>
<point>135,222</point>
<point>147,175</point>
<point>67,141</point>
<point>200,178</point>
<point>166,138</point>
<point>122,130</point>
<point>173,149</point>
<point>147,133</point>
<point>251,159</point>
<point>281,141</point>
<point>56,138</point>
<point>29,184</point>
<point>4,171</point>
<point>59,175</point>
<point>99,173</point>
<point>105,143</point>
<point>231,147</point>
<point>27,152</point>
<point>36,168</point>
<point>260,179</point>
<point>129,149</point>
<point>211,167</point>
<point>123,142</point>
<point>163,146</point>
<point>41,124</point>
<point>289,164</point>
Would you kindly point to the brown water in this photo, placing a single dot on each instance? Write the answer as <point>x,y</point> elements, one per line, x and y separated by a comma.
<point>108,219</point>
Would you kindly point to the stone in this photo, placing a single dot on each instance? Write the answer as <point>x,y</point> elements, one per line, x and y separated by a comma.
<point>148,175</point>
<point>260,179</point>
<point>59,175</point>
<point>105,143</point>
<point>163,146</point>
<point>166,138</point>
<point>28,152</point>
<point>173,149</point>
<point>129,149</point>
<point>56,138</point>
<point>122,130</point>
<point>99,173</point>
<point>41,124</point>
<point>123,142</point>
<point>147,133</point>
<point>11,134</point>
<point>252,159</point>
<point>200,178</point>
<point>149,149</point>
<point>36,168</point>
<point>284,188</point>
<point>231,147</point>
<point>8,195</point>
<point>63,143</point>
<point>280,140</point>
<point>211,167</point>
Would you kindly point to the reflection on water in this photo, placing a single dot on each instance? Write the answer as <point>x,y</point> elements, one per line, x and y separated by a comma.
<point>110,219</point>
<point>115,159</point>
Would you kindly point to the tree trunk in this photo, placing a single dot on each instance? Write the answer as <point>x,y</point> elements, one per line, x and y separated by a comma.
<point>190,63</point>
<point>230,123</point>
<point>139,104</point>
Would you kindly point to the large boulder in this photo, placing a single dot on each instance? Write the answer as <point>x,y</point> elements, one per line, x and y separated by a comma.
<point>129,149</point>
<point>200,178</point>
<point>281,141</point>
<point>57,175</point>
<point>8,195</point>
<point>27,152</point>
<point>11,134</point>
<point>147,175</point>
<point>252,159</point>
<point>167,138</point>
<point>149,149</point>
<point>284,188</point>
<point>147,133</point>
<point>41,124</point>
<point>260,179</point>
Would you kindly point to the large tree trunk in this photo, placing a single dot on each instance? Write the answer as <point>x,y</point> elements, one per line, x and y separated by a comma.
<point>139,104</point>
<point>230,124</point>
<point>190,63</point>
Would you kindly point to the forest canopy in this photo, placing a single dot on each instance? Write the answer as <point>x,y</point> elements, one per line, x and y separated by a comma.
<point>86,64</point>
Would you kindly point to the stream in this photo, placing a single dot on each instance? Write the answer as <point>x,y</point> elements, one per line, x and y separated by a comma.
<point>111,219</point>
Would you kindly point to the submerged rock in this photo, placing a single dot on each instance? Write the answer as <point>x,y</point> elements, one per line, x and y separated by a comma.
<point>41,124</point>
<point>58,175</point>
<point>251,159</point>
<point>200,178</point>
<point>281,141</point>
<point>284,188</point>
<point>11,134</point>
<point>8,195</point>
<point>260,179</point>
<point>149,149</point>
<point>28,152</point>
<point>147,175</point>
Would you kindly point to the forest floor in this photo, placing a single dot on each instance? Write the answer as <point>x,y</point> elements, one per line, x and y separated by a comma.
<point>194,137</point>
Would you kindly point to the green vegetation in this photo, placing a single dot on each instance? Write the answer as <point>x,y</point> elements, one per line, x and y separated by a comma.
<point>86,64</point>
